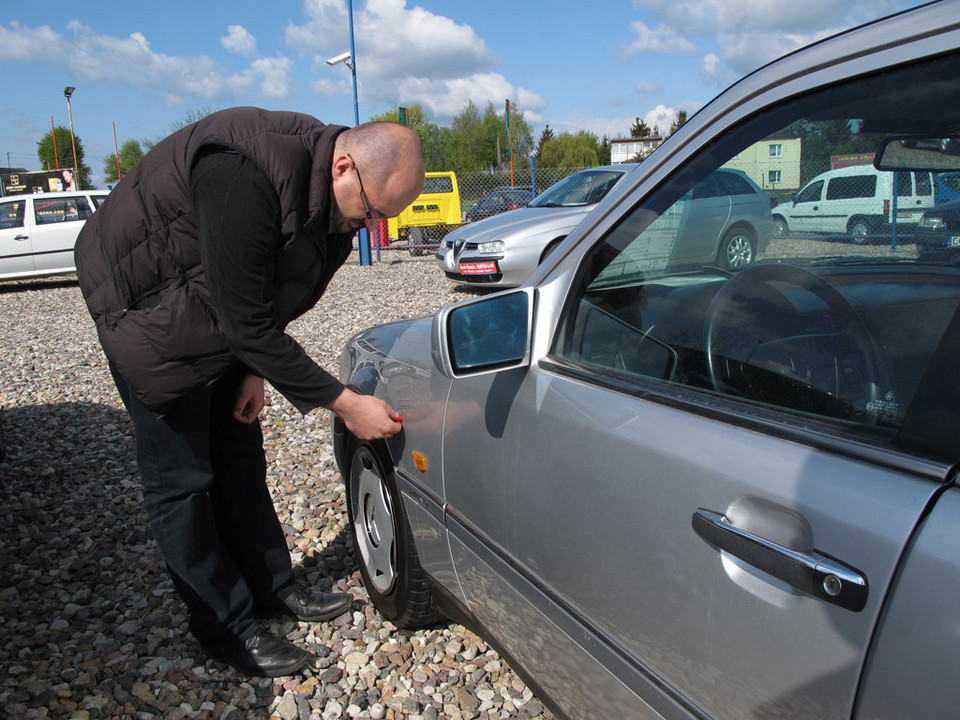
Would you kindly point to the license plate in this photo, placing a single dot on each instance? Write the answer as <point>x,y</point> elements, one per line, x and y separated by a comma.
<point>953,241</point>
<point>478,268</point>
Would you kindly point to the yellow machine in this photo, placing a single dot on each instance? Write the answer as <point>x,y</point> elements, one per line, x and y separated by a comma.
<point>434,213</point>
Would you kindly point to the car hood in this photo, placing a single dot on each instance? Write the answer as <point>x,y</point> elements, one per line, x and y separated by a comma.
<point>520,222</point>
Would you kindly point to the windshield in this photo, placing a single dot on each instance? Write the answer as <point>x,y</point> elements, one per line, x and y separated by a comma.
<point>583,188</point>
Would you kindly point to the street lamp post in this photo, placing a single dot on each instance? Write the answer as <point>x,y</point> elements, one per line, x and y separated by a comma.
<point>67,92</point>
<point>349,59</point>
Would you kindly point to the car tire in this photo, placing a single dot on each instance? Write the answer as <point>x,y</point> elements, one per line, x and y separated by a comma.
<point>858,228</point>
<point>383,543</point>
<point>416,236</point>
<point>737,249</point>
<point>780,225</point>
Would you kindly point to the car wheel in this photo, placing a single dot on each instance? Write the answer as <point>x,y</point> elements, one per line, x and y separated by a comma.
<point>383,543</point>
<point>858,228</point>
<point>416,236</point>
<point>780,225</point>
<point>736,250</point>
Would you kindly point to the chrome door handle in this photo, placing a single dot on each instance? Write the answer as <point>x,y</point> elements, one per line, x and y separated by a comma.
<point>811,572</point>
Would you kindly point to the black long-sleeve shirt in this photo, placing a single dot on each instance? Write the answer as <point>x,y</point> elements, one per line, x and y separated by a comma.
<point>238,220</point>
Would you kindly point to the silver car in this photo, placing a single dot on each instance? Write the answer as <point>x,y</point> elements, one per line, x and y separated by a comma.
<point>504,249</point>
<point>670,491</point>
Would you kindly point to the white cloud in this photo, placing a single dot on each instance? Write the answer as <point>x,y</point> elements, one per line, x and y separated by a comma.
<point>662,38</point>
<point>239,40</point>
<point>22,43</point>
<point>406,55</point>
<point>274,76</point>
<point>746,33</point>
<point>646,87</point>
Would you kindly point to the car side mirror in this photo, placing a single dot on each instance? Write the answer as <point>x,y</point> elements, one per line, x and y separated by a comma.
<point>478,336</point>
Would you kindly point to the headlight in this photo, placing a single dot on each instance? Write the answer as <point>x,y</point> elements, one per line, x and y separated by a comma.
<point>932,222</point>
<point>491,248</point>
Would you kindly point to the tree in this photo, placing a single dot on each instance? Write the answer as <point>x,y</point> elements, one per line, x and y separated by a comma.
<point>131,152</point>
<point>467,141</point>
<point>604,151</point>
<point>63,157</point>
<point>820,140</point>
<point>546,135</point>
<point>191,117</point>
<point>571,151</point>
<point>434,139</point>
<point>678,122</point>
<point>640,129</point>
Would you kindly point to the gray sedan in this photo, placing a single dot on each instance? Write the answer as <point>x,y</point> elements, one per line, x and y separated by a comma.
<point>504,249</point>
<point>665,490</point>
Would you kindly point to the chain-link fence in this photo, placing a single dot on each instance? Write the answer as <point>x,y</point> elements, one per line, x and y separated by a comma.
<point>482,194</point>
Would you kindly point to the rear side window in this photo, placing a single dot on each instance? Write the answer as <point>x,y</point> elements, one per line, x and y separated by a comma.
<point>923,184</point>
<point>862,186</point>
<point>733,184</point>
<point>58,210</point>
<point>441,184</point>
<point>11,214</point>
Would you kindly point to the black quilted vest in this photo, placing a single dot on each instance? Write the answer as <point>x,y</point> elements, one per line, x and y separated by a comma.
<point>138,256</point>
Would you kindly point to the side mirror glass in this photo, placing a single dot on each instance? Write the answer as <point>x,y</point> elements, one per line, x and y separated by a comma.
<point>491,333</point>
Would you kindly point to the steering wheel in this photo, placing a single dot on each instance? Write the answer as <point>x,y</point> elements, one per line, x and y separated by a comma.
<point>776,368</point>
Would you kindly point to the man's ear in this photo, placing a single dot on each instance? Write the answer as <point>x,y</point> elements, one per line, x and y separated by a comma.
<point>341,165</point>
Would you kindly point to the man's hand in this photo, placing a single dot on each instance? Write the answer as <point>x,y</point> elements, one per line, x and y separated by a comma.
<point>367,417</point>
<point>249,401</point>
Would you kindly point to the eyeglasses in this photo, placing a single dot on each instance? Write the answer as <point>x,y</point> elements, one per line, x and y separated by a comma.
<point>363,195</point>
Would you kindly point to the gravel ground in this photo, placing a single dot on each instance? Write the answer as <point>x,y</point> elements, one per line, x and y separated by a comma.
<point>91,626</point>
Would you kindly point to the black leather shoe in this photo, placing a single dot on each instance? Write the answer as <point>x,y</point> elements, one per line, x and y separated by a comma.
<point>262,654</point>
<point>306,604</point>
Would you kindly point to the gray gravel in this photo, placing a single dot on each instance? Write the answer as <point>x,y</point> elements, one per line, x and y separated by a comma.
<point>90,626</point>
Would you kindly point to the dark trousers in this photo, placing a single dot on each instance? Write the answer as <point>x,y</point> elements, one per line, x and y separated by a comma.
<point>204,487</point>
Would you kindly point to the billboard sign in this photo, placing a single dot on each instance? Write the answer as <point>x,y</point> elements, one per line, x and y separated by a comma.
<point>21,182</point>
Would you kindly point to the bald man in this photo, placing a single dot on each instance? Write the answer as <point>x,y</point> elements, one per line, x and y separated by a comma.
<point>193,267</point>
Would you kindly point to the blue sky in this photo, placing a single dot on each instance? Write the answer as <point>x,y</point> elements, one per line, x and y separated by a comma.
<point>143,66</point>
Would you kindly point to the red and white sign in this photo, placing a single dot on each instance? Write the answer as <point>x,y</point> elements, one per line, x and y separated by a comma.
<point>478,268</point>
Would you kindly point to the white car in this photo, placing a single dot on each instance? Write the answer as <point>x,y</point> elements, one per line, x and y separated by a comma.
<point>857,200</point>
<point>504,249</point>
<point>38,231</point>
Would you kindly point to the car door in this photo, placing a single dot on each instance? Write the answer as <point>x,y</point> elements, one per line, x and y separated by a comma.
<point>57,223</point>
<point>705,213</point>
<point>713,531</point>
<point>16,255</point>
<point>805,213</point>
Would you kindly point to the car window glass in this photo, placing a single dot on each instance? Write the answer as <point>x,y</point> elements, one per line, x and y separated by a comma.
<point>814,327</point>
<point>734,184</point>
<point>811,193</point>
<point>582,188</point>
<point>856,186</point>
<point>11,214</point>
<point>904,184</point>
<point>922,183</point>
<point>55,210</point>
<point>442,184</point>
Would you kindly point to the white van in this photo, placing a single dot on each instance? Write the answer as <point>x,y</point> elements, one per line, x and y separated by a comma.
<point>857,200</point>
<point>38,231</point>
